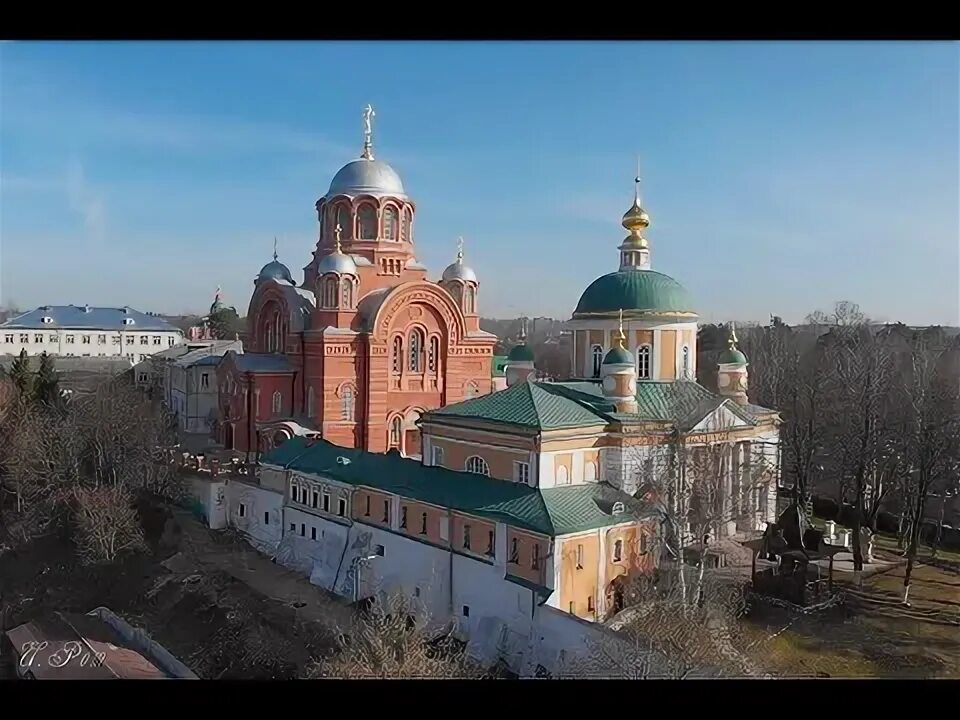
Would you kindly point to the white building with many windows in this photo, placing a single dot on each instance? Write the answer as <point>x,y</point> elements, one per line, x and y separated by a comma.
<point>85,331</point>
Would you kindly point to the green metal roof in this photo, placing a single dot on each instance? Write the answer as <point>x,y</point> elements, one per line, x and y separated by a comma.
<point>527,404</point>
<point>618,356</point>
<point>521,353</point>
<point>497,368</point>
<point>732,356</point>
<point>634,291</point>
<point>557,511</point>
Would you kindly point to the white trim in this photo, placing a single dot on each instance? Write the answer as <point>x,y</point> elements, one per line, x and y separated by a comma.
<point>480,445</point>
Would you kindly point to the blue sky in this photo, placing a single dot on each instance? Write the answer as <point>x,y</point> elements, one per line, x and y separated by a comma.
<point>779,176</point>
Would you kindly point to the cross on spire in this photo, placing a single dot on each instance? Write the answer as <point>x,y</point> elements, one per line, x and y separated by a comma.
<point>620,336</point>
<point>368,115</point>
<point>636,181</point>
<point>274,248</point>
<point>460,250</point>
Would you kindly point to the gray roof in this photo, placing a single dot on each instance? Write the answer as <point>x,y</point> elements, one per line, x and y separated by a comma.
<point>263,363</point>
<point>209,355</point>
<point>72,317</point>
<point>178,351</point>
<point>366,177</point>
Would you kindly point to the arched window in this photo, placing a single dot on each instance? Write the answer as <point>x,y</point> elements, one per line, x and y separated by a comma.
<point>597,355</point>
<point>685,363</point>
<point>396,427</point>
<point>471,305</point>
<point>397,354</point>
<point>341,217</point>
<point>643,362</point>
<point>367,223</point>
<point>618,551</point>
<point>311,401</point>
<point>470,391</point>
<point>456,292</point>
<point>390,224</point>
<point>330,292</point>
<point>590,472</point>
<point>346,301</point>
<point>563,478</point>
<point>277,403</point>
<point>476,464</point>
<point>269,337</point>
<point>347,404</point>
<point>416,350</point>
<point>433,354</point>
<point>406,231</point>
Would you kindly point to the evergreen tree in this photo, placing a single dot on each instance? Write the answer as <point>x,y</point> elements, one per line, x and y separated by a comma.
<point>47,383</point>
<point>224,323</point>
<point>22,376</point>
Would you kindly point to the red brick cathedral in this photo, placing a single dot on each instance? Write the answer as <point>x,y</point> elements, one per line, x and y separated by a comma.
<point>366,342</point>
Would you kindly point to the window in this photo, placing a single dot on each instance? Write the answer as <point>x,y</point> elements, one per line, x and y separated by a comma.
<point>295,493</point>
<point>466,537</point>
<point>346,293</point>
<point>330,292</point>
<point>69,339</point>
<point>521,472</point>
<point>423,523</point>
<point>477,464</point>
<point>38,338</point>
<point>470,306</point>
<point>597,354</point>
<point>367,223</point>
<point>579,557</point>
<point>535,561</point>
<point>170,341</point>
<point>572,610</point>
<point>156,339</point>
<point>514,551</point>
<point>403,517</point>
<point>590,603</point>
<point>643,543</point>
<point>618,551</point>
<point>397,354</point>
<point>378,550</point>
<point>491,543</point>
<point>416,350</point>
<point>405,230</point>
<point>266,518</point>
<point>366,511</point>
<point>390,223</point>
<point>342,218</point>
<point>303,529</point>
<point>386,511</point>
<point>347,405</point>
<point>141,377</point>
<point>8,338</point>
<point>144,340</point>
<point>243,510</point>
<point>115,339</point>
<point>277,402</point>
<point>643,362</point>
<point>313,533</point>
<point>466,611</point>
<point>589,471</point>
<point>685,363</point>
<point>341,507</point>
<point>101,339</point>
<point>315,500</point>
<point>433,354</point>
<point>24,338</point>
<point>205,381</point>
<point>54,338</point>
<point>563,477</point>
<point>437,455</point>
<point>293,527</point>
<point>326,502</point>
<point>395,427</point>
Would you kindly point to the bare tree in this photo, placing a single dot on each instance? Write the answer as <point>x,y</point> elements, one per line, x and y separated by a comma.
<point>107,523</point>
<point>392,640</point>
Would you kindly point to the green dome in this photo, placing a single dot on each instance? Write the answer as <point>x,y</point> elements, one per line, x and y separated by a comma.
<point>732,356</point>
<point>520,353</point>
<point>618,356</point>
<point>636,291</point>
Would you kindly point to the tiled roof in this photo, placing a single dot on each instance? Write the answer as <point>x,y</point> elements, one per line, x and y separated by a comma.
<point>542,406</point>
<point>262,363</point>
<point>549,512</point>
<point>85,317</point>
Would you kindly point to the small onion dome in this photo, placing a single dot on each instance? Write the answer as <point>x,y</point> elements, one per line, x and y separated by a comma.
<point>520,353</point>
<point>732,356</point>
<point>636,217</point>
<point>618,356</point>
<point>275,270</point>
<point>337,262</point>
<point>457,270</point>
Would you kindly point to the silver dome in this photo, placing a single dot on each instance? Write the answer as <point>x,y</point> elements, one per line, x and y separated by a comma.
<point>337,262</point>
<point>366,177</point>
<point>275,270</point>
<point>459,271</point>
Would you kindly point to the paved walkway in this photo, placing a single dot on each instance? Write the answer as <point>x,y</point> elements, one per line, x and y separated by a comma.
<point>199,550</point>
